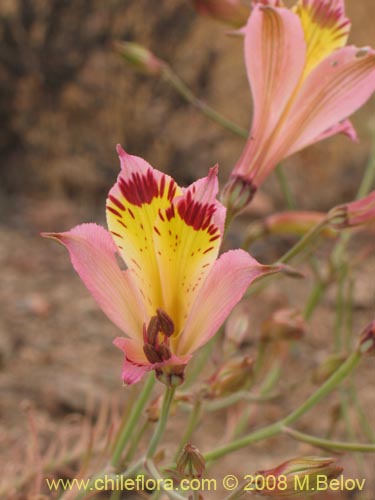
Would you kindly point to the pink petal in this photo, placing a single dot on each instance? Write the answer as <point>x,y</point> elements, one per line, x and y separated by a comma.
<point>131,373</point>
<point>92,253</point>
<point>224,287</point>
<point>275,52</point>
<point>334,90</point>
<point>345,127</point>
<point>135,362</point>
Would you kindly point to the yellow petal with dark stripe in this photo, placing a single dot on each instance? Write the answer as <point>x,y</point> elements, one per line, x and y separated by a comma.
<point>132,210</point>
<point>325,26</point>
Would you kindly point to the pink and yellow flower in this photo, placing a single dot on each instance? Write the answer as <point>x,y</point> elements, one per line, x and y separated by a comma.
<point>305,84</point>
<point>175,292</point>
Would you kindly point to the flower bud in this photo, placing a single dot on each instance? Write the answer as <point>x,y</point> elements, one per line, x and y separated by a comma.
<point>296,477</point>
<point>233,376</point>
<point>294,222</point>
<point>367,339</point>
<point>327,367</point>
<point>233,12</point>
<point>190,462</point>
<point>140,57</point>
<point>284,324</point>
<point>353,214</point>
<point>237,194</point>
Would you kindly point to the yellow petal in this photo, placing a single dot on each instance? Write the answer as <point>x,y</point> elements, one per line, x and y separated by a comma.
<point>187,242</point>
<point>132,210</point>
<point>325,26</point>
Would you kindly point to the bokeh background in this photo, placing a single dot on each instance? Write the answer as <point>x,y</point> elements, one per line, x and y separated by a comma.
<point>66,99</point>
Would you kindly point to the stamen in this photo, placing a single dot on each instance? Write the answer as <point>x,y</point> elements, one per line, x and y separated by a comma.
<point>151,354</point>
<point>165,322</point>
<point>152,330</point>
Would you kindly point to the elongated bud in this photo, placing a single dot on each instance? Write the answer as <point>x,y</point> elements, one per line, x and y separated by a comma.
<point>284,324</point>
<point>296,477</point>
<point>190,462</point>
<point>139,57</point>
<point>165,322</point>
<point>353,214</point>
<point>237,194</point>
<point>233,12</point>
<point>234,375</point>
<point>327,368</point>
<point>367,339</point>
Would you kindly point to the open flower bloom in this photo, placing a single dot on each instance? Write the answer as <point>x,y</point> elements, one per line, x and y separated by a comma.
<point>305,83</point>
<point>175,292</point>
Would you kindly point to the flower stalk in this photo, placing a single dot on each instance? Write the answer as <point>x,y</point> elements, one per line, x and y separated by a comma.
<point>276,428</point>
<point>129,426</point>
<point>162,423</point>
<point>329,444</point>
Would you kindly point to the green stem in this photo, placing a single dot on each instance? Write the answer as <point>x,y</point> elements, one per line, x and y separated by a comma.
<point>275,428</point>
<point>128,429</point>
<point>285,188</point>
<point>222,403</point>
<point>327,443</point>
<point>304,242</point>
<point>368,178</point>
<point>316,294</point>
<point>340,306</point>
<point>159,431</point>
<point>268,384</point>
<point>191,426</point>
<point>135,441</point>
<point>199,362</point>
<point>176,82</point>
<point>362,417</point>
<point>154,473</point>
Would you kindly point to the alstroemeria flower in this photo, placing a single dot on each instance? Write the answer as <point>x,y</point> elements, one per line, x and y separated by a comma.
<point>175,292</point>
<point>305,83</point>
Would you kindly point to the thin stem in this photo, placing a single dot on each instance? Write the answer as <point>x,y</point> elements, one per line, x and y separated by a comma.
<point>368,178</point>
<point>176,82</point>
<point>219,404</point>
<point>132,421</point>
<point>135,441</point>
<point>349,426</point>
<point>327,443</point>
<point>154,473</point>
<point>340,307</point>
<point>316,294</point>
<point>270,381</point>
<point>159,431</point>
<point>285,188</point>
<point>362,418</point>
<point>199,362</point>
<point>273,429</point>
<point>304,242</point>
<point>191,426</point>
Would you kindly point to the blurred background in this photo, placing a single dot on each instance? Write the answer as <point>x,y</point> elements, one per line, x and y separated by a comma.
<point>66,100</point>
